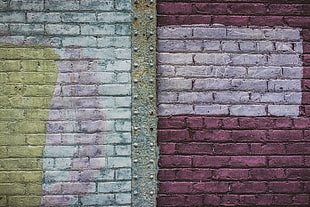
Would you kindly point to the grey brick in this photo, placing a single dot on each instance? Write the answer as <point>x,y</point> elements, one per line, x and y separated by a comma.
<point>7,17</point>
<point>102,53</point>
<point>124,53</point>
<point>117,42</point>
<point>27,29</point>
<point>193,71</point>
<point>40,17</point>
<point>249,85</point>
<point>210,45</point>
<point>29,5</point>
<point>97,29</point>
<point>229,71</point>
<point>274,98</point>
<point>122,29</point>
<point>123,125</point>
<point>4,29</point>
<point>123,198</point>
<point>177,58</point>
<point>68,5</point>
<point>248,46</point>
<point>298,48</point>
<point>284,85</point>
<point>195,97</point>
<point>119,65</point>
<point>244,33</point>
<point>96,5</point>
<point>59,151</point>
<point>118,162</point>
<point>96,126</point>
<point>63,163</point>
<point>58,176</point>
<point>123,150</point>
<point>166,70</point>
<point>80,41</point>
<point>283,110</point>
<point>170,32</point>
<point>177,84</point>
<point>62,29</point>
<point>230,46</point>
<point>114,17</point>
<point>115,89</point>
<point>99,199</point>
<point>58,200</point>
<point>212,84</point>
<point>179,45</point>
<point>123,78</point>
<point>4,5</point>
<point>293,98</point>
<point>212,58</point>
<point>284,46</point>
<point>48,163</point>
<point>78,17</point>
<point>111,187</point>
<point>168,109</point>
<point>123,102</point>
<point>211,109</point>
<point>167,97</point>
<point>247,110</point>
<point>79,90</point>
<point>284,60</point>
<point>123,174</point>
<point>264,72</point>
<point>96,78</point>
<point>209,33</point>
<point>282,34</point>
<point>124,5</point>
<point>265,46</point>
<point>227,97</point>
<point>248,59</point>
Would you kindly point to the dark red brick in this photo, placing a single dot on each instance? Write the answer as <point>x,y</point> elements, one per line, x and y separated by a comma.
<point>286,161</point>
<point>194,148</point>
<point>302,123</point>
<point>285,187</point>
<point>195,122</point>
<point>266,20</point>
<point>193,174</point>
<point>306,47</point>
<point>175,122</point>
<point>231,20</point>
<point>285,135</point>
<point>249,187</point>
<point>298,173</point>
<point>256,200</point>
<point>230,200</point>
<point>211,135</point>
<point>231,149</point>
<point>306,186</point>
<point>213,122</point>
<point>175,8</point>
<point>301,199</point>
<point>305,98</point>
<point>269,148</point>
<point>231,174</point>
<point>183,19</point>
<point>256,123</point>
<point>166,175</point>
<point>298,21</point>
<point>210,8</point>
<point>248,161</point>
<point>248,135</point>
<point>175,187</point>
<point>298,148</point>
<point>171,200</point>
<point>173,135</point>
<point>167,148</point>
<point>282,199</point>
<point>230,123</point>
<point>306,59</point>
<point>306,34</point>
<point>267,174</point>
<point>212,200</point>
<point>282,123</point>
<point>285,9</point>
<point>306,72</point>
<point>211,161</point>
<point>174,161</point>
<point>247,8</point>
<point>210,187</point>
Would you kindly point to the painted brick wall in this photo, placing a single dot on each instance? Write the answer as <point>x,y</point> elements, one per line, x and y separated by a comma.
<point>233,103</point>
<point>65,111</point>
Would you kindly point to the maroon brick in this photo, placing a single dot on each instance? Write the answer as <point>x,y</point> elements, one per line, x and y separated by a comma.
<point>248,135</point>
<point>298,21</point>
<point>175,8</point>
<point>248,161</point>
<point>307,161</point>
<point>175,187</point>
<point>230,200</point>
<point>193,200</point>
<point>302,123</point>
<point>166,175</point>
<point>210,161</point>
<point>267,174</point>
<point>298,173</point>
<point>249,187</point>
<point>210,187</point>
<point>231,20</point>
<point>193,174</point>
<point>301,199</point>
<point>183,19</point>
<point>269,148</point>
<point>212,200</point>
<point>194,148</point>
<point>306,72</point>
<point>306,59</point>
<point>166,135</point>
<point>266,20</point>
<point>285,187</point>
<point>256,123</point>
<point>282,123</point>
<point>306,34</point>
<point>307,110</point>
<point>282,199</point>
<point>256,200</point>
<point>305,97</point>
<point>298,148</point>
<point>285,9</point>
<point>307,135</point>
<point>306,47</point>
<point>285,135</point>
<point>213,122</point>
<point>174,161</point>
<point>286,161</point>
<point>195,122</point>
<point>230,123</point>
<point>167,148</point>
<point>231,174</point>
<point>175,122</point>
<point>247,8</point>
<point>231,149</point>
<point>210,8</point>
<point>306,187</point>
<point>171,200</point>
<point>211,135</point>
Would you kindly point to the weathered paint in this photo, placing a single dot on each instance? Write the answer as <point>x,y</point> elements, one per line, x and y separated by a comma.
<point>28,79</point>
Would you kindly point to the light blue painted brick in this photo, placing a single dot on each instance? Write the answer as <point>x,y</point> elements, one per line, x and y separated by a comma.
<point>56,5</point>
<point>63,163</point>
<point>123,102</point>
<point>117,138</point>
<point>59,151</point>
<point>114,42</point>
<point>29,5</point>
<point>62,29</point>
<point>4,29</point>
<point>111,187</point>
<point>117,113</point>
<point>102,53</point>
<point>48,163</point>
<point>119,162</point>
<point>124,5</point>
<point>59,176</point>
<point>100,199</point>
<point>119,65</point>
<point>123,126</point>
<point>123,174</point>
<point>123,53</point>
<point>123,150</point>
<point>97,77</point>
<point>7,17</point>
<point>52,41</point>
<point>4,5</point>
<point>283,110</point>
<point>79,17</point>
<point>27,29</point>
<point>114,17</point>
<point>52,17</point>
<point>97,29</point>
<point>123,198</point>
<point>123,78</point>
<point>115,89</point>
<point>123,29</point>
<point>96,5</point>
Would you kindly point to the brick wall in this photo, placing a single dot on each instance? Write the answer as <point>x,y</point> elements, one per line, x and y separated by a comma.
<point>233,103</point>
<point>65,103</point>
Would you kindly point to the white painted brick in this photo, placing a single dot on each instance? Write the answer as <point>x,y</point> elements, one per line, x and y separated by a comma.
<point>283,110</point>
<point>123,198</point>
<point>123,174</point>
<point>177,58</point>
<point>293,98</point>
<point>247,46</point>
<point>230,46</point>
<point>124,53</point>
<point>115,89</point>
<point>167,97</point>
<point>265,46</point>
<point>123,102</point>
<point>229,72</point>
<point>96,77</point>
<point>244,33</point>
<point>284,59</point>
<point>174,32</point>
<point>249,85</point>
<point>195,97</point>
<point>166,70</point>
<point>211,109</point>
<point>192,71</point>
<point>209,33</point>
<point>59,151</point>
<point>179,45</point>
<point>213,59</point>
<point>177,84</point>
<point>168,109</point>
<point>284,85</point>
<point>123,5</point>
<point>123,150</point>
<point>119,162</point>
<point>231,97</point>
<point>248,110</point>
<point>211,45</point>
<point>273,98</point>
<point>123,29</point>
<point>264,72</point>
<point>248,59</point>
<point>123,78</point>
<point>282,34</point>
<point>114,17</point>
<point>212,84</point>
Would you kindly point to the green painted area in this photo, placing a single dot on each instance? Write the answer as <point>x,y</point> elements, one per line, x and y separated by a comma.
<point>28,76</point>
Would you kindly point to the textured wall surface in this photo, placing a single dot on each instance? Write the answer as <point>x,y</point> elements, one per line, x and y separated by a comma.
<point>65,108</point>
<point>233,103</point>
